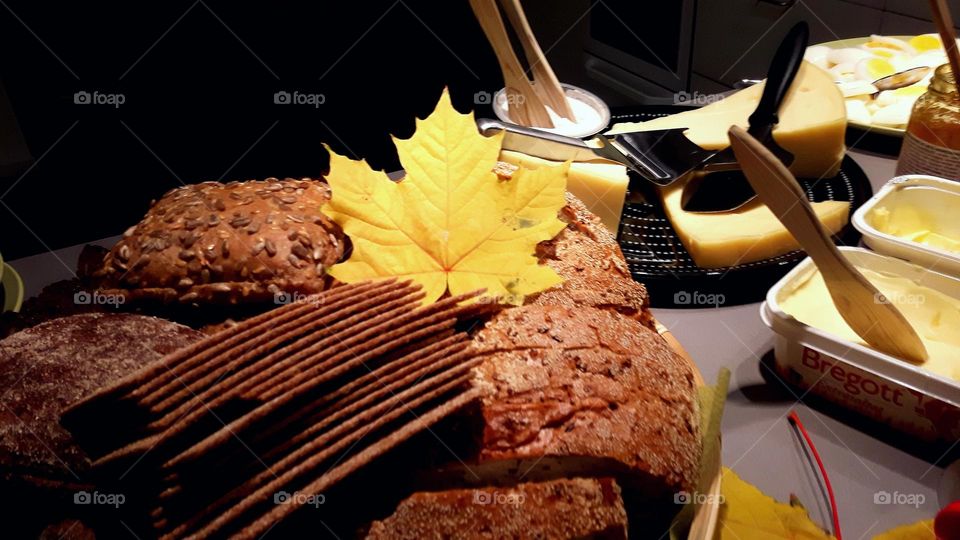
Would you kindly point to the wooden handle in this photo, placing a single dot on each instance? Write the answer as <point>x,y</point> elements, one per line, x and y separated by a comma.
<point>544,80</point>
<point>941,16</point>
<point>524,105</point>
<point>777,188</point>
<point>880,324</point>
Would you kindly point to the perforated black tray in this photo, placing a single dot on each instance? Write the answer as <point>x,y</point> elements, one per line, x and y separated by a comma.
<point>657,257</point>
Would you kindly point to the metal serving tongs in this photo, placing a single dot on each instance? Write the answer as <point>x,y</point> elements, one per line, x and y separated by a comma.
<point>720,186</point>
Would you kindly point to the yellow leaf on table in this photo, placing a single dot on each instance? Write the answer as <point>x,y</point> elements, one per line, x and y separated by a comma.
<point>921,530</point>
<point>749,514</point>
<point>451,223</point>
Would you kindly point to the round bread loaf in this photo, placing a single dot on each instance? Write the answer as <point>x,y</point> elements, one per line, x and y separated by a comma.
<point>595,274</point>
<point>56,363</point>
<point>565,508</point>
<point>586,391</point>
<point>227,243</point>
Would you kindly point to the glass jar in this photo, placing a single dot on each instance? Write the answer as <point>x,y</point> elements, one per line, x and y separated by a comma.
<point>931,144</point>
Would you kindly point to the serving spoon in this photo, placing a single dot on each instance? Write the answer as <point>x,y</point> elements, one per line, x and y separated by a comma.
<point>879,323</point>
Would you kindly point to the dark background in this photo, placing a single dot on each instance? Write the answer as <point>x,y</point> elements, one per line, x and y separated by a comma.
<point>199,98</point>
<point>199,80</point>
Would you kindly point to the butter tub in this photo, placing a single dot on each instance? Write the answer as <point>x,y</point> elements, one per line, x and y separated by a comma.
<point>934,200</point>
<point>877,385</point>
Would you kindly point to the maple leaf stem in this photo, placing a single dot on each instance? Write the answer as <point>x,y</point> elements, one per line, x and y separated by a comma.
<point>795,421</point>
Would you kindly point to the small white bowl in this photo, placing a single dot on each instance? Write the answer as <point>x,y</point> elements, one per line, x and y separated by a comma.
<point>938,196</point>
<point>563,126</point>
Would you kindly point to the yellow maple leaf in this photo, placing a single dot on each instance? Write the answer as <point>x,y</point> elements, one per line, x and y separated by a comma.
<point>747,514</point>
<point>921,530</point>
<point>450,223</point>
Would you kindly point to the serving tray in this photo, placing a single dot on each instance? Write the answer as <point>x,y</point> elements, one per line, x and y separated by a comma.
<point>656,255</point>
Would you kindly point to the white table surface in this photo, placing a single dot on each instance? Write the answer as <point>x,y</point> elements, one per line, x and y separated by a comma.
<point>758,442</point>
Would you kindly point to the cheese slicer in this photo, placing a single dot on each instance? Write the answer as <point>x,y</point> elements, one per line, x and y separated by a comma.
<point>719,186</point>
<point>665,156</point>
<point>861,305</point>
<point>672,160</point>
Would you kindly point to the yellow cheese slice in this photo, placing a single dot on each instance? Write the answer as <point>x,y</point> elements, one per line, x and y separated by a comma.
<point>812,122</point>
<point>749,234</point>
<point>602,186</point>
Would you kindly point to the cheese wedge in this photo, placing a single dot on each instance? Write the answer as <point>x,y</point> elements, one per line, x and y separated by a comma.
<point>812,122</point>
<point>602,186</point>
<point>749,234</point>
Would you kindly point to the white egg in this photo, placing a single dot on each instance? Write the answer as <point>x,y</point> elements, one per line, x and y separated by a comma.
<point>849,55</point>
<point>895,115</point>
<point>894,43</point>
<point>856,88</point>
<point>902,63</point>
<point>817,55</point>
<point>931,59</point>
<point>857,112</point>
<point>844,71</point>
<point>886,98</point>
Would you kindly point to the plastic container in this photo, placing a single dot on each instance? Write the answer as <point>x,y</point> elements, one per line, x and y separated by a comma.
<point>583,127</point>
<point>935,196</point>
<point>856,377</point>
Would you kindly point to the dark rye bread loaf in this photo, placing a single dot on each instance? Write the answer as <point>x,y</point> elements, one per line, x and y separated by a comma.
<point>47,367</point>
<point>559,509</point>
<point>585,391</point>
<point>586,255</point>
<point>239,242</point>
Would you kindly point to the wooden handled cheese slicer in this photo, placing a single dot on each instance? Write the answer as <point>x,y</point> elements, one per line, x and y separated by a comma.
<point>720,186</point>
<point>878,323</point>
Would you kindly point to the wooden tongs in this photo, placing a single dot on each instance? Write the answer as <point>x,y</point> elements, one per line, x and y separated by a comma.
<point>527,99</point>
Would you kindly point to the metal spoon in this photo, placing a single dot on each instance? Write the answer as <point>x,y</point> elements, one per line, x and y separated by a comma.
<point>900,80</point>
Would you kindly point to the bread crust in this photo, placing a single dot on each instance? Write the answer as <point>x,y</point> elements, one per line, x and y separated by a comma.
<point>586,255</point>
<point>56,363</point>
<point>230,243</point>
<point>566,508</point>
<point>591,387</point>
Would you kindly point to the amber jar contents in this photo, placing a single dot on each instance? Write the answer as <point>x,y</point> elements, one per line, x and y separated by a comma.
<point>931,144</point>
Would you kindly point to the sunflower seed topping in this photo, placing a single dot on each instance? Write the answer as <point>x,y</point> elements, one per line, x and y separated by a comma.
<point>240,221</point>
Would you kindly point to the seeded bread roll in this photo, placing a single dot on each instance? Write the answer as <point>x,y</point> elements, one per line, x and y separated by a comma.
<point>239,242</point>
<point>561,509</point>
<point>585,391</point>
